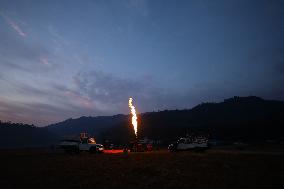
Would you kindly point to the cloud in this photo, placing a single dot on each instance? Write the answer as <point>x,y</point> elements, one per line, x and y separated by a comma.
<point>108,88</point>
<point>25,56</point>
<point>139,6</point>
<point>44,61</point>
<point>13,48</point>
<point>41,66</point>
<point>8,65</point>
<point>42,105</point>
<point>14,25</point>
<point>25,112</point>
<point>98,93</point>
<point>17,28</point>
<point>111,93</point>
<point>84,102</point>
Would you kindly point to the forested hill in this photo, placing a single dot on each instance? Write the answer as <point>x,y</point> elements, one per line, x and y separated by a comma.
<point>237,118</point>
<point>15,135</point>
<point>249,119</point>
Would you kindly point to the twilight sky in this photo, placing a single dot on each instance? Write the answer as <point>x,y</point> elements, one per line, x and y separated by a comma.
<point>63,59</point>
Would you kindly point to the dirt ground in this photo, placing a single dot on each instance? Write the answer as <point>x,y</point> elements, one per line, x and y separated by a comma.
<point>161,169</point>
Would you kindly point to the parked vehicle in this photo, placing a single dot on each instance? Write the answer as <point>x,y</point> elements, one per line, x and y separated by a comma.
<point>189,143</point>
<point>85,143</point>
<point>140,146</point>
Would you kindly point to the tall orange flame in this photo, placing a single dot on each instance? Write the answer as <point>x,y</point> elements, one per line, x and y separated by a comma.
<point>134,117</point>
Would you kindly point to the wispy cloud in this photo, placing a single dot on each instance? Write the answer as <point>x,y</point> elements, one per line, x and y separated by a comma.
<point>14,25</point>
<point>51,103</point>
<point>17,28</point>
<point>44,61</point>
<point>17,111</point>
<point>111,93</point>
<point>139,6</point>
<point>83,102</point>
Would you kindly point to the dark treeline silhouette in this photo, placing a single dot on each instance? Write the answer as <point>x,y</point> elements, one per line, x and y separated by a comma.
<point>95,126</point>
<point>15,135</point>
<point>248,119</point>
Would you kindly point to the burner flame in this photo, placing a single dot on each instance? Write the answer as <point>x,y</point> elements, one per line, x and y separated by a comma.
<point>134,117</point>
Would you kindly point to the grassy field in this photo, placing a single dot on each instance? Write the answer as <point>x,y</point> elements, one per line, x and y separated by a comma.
<point>212,169</point>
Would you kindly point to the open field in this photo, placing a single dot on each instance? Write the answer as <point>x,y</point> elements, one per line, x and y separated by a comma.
<point>212,169</point>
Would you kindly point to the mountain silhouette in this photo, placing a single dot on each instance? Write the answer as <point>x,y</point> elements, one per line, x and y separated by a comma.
<point>95,126</point>
<point>249,119</point>
<point>238,118</point>
<point>15,135</point>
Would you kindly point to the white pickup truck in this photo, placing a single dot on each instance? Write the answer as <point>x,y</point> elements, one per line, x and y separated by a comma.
<point>84,144</point>
<point>189,143</point>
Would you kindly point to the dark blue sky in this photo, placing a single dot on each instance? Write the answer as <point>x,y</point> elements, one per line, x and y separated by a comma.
<point>62,59</point>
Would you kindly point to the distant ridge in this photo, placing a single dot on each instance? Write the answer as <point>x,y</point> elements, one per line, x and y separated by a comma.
<point>93,125</point>
<point>239,118</point>
<point>249,119</point>
<point>16,135</point>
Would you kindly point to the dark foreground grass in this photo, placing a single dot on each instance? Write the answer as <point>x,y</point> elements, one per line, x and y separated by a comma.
<point>213,169</point>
